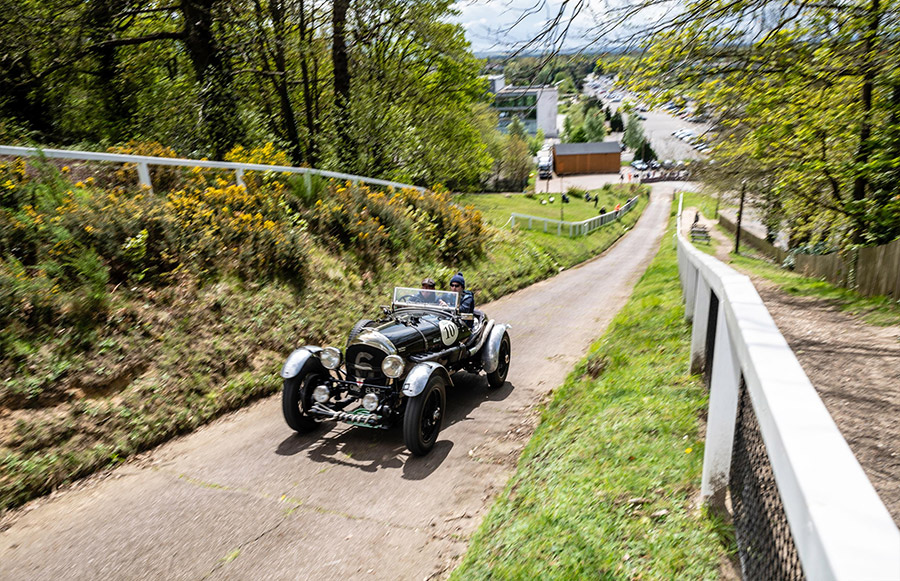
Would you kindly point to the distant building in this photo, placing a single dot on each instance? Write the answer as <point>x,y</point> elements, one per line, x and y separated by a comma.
<point>593,157</point>
<point>536,106</point>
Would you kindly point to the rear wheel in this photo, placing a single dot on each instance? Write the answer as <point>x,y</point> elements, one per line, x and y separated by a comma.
<point>497,377</point>
<point>423,417</point>
<point>296,398</point>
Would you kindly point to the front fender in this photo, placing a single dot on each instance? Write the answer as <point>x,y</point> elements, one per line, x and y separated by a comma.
<point>416,379</point>
<point>297,360</point>
<point>490,353</point>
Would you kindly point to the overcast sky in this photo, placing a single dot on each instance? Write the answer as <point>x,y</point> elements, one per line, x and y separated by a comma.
<point>498,26</point>
<point>491,24</point>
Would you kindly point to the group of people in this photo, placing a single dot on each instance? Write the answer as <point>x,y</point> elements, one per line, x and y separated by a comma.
<point>458,285</point>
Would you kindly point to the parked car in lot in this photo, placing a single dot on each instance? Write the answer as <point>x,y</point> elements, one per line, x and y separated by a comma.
<point>639,165</point>
<point>396,369</point>
<point>545,167</point>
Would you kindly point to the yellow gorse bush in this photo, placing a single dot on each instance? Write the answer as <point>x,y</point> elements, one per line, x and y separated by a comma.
<point>252,231</point>
<point>375,222</point>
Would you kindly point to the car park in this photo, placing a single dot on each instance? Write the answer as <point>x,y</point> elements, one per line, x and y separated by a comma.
<point>396,369</point>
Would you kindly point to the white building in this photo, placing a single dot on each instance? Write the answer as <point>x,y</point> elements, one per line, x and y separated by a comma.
<point>535,105</point>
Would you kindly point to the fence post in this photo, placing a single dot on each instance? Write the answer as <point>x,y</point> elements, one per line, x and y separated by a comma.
<point>690,287</point>
<point>239,177</point>
<point>144,175</point>
<point>702,298</point>
<point>724,388</point>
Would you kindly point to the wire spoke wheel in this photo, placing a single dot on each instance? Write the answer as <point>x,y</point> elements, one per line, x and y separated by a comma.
<point>497,377</point>
<point>424,416</point>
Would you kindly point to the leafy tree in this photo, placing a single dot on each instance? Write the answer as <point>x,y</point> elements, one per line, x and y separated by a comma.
<point>517,129</point>
<point>375,86</point>
<point>578,135</point>
<point>517,163</point>
<point>634,133</point>
<point>536,143</point>
<point>811,97</point>
<point>594,126</point>
<point>615,123</point>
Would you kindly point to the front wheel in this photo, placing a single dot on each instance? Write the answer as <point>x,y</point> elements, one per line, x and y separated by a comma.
<point>296,398</point>
<point>424,413</point>
<point>497,377</point>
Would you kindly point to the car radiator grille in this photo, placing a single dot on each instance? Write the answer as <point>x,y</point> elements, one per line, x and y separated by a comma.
<point>364,362</point>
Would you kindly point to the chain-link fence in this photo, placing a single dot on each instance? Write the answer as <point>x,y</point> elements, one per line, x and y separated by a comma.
<point>765,545</point>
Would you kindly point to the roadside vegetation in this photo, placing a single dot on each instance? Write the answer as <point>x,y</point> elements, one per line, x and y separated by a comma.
<point>497,209</point>
<point>805,115</point>
<point>608,486</point>
<point>879,310</point>
<point>127,317</point>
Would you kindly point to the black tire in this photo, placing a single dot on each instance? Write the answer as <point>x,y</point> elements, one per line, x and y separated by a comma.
<point>296,398</point>
<point>498,377</point>
<point>357,329</point>
<point>423,417</point>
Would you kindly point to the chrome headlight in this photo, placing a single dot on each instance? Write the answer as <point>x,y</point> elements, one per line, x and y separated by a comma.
<point>330,357</point>
<point>392,366</point>
<point>321,393</point>
<point>370,402</point>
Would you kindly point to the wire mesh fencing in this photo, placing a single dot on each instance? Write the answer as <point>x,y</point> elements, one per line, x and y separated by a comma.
<point>766,546</point>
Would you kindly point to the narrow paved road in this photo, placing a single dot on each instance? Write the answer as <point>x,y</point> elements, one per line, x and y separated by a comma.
<point>244,498</point>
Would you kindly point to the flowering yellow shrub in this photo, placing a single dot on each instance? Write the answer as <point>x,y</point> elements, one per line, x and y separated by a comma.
<point>164,177</point>
<point>375,223</point>
<point>265,155</point>
<point>12,177</point>
<point>252,232</point>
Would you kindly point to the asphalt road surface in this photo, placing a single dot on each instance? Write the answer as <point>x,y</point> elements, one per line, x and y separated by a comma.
<point>245,498</point>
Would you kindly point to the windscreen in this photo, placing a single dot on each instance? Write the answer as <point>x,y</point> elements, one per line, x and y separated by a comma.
<point>415,297</point>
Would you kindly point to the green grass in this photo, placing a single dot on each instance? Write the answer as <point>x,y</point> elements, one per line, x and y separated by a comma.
<point>497,208</point>
<point>606,488</point>
<point>707,204</point>
<point>881,310</point>
<point>521,257</point>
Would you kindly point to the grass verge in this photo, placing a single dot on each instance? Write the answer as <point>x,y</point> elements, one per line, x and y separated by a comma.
<point>879,310</point>
<point>607,487</point>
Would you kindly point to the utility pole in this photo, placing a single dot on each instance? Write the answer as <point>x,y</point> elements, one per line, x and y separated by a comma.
<point>737,231</point>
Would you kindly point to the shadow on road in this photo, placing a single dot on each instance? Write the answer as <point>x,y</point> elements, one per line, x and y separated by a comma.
<point>370,449</point>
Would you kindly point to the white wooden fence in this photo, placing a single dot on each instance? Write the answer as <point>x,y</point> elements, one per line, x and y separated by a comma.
<point>143,162</point>
<point>571,228</point>
<point>839,525</point>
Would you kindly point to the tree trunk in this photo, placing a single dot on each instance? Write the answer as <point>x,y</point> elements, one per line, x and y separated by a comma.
<point>218,104</point>
<point>341,68</point>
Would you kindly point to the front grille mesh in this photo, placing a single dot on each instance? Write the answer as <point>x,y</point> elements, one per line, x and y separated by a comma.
<point>364,362</point>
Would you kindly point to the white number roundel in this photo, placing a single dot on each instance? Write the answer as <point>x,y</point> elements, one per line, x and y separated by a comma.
<point>449,332</point>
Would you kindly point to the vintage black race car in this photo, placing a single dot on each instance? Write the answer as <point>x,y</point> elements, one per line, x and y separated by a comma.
<point>396,367</point>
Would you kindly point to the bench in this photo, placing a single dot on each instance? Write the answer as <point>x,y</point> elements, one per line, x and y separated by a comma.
<point>699,233</point>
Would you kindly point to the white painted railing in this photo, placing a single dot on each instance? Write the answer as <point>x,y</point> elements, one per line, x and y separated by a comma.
<point>840,526</point>
<point>143,162</point>
<point>573,228</point>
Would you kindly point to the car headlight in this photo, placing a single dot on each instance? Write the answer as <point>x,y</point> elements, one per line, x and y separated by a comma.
<point>321,393</point>
<point>392,366</point>
<point>370,402</point>
<point>330,357</point>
